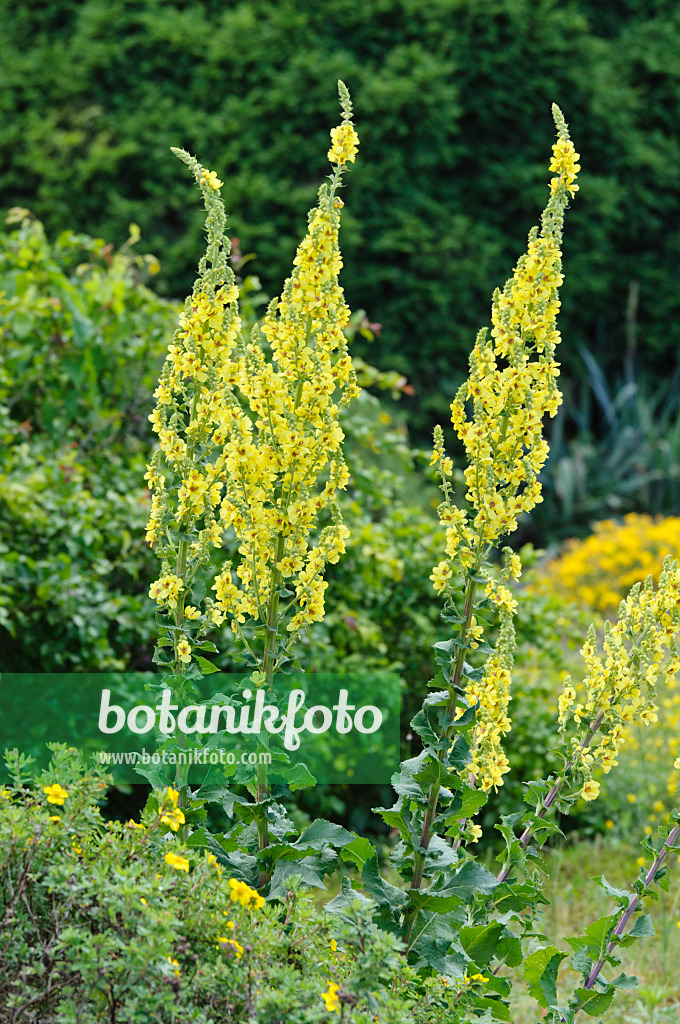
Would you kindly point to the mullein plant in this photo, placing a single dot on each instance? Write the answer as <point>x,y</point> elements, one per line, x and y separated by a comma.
<point>250,441</point>
<point>456,917</point>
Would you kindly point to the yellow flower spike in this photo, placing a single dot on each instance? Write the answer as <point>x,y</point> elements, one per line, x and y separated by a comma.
<point>55,794</point>
<point>498,415</point>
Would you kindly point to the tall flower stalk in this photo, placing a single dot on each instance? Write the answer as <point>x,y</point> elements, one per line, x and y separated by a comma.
<point>498,415</point>
<point>250,441</point>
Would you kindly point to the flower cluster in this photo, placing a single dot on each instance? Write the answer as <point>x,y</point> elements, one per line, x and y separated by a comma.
<point>619,688</point>
<point>282,450</point>
<point>498,415</point>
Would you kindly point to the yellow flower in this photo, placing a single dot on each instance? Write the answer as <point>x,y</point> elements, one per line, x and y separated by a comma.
<point>590,790</point>
<point>344,144</point>
<point>5,793</point>
<point>331,997</point>
<point>211,179</point>
<point>223,941</point>
<point>55,793</point>
<point>440,576</point>
<point>177,862</point>
<point>135,825</point>
<point>676,763</point>
<point>174,964</point>
<point>334,946</point>
<point>631,798</point>
<point>174,818</point>
<point>243,894</point>
<point>184,651</point>
<point>56,819</point>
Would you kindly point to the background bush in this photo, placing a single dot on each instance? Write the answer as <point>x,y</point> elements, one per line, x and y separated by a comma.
<point>452,103</point>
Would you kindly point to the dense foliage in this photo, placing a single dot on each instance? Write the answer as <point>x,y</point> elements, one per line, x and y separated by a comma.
<point>93,95</point>
<point>140,935</point>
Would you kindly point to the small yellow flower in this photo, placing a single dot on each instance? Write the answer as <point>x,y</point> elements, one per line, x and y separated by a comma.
<point>676,763</point>
<point>175,964</point>
<point>440,576</point>
<point>223,941</point>
<point>632,799</point>
<point>609,823</point>
<point>334,946</point>
<point>590,790</point>
<point>56,819</point>
<point>143,901</point>
<point>210,178</point>
<point>177,862</point>
<point>345,144</point>
<point>331,998</point>
<point>4,794</point>
<point>135,824</point>
<point>55,793</point>
<point>184,651</point>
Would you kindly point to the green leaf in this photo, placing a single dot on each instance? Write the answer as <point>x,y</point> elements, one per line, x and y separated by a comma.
<point>540,972</point>
<point>344,903</point>
<point>480,942</point>
<point>625,981</point>
<point>358,852</point>
<point>643,927</point>
<point>593,1003</point>
<point>308,870</point>
<point>206,666</point>
<point>321,833</point>
<point>296,776</point>
<point>386,895</point>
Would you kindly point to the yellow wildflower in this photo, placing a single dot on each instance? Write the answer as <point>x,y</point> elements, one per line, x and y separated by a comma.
<point>55,793</point>
<point>184,651</point>
<point>331,997</point>
<point>177,862</point>
<point>590,790</point>
<point>223,941</point>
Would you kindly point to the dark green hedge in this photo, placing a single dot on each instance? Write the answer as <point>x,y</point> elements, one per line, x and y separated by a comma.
<point>453,105</point>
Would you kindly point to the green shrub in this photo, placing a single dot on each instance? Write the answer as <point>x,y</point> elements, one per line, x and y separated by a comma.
<point>95,93</point>
<point>99,925</point>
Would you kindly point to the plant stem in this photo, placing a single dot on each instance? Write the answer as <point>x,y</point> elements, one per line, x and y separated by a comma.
<point>633,904</point>
<point>550,798</point>
<point>269,661</point>
<point>433,795</point>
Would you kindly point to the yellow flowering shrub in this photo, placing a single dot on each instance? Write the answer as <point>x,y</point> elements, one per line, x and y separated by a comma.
<point>599,570</point>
